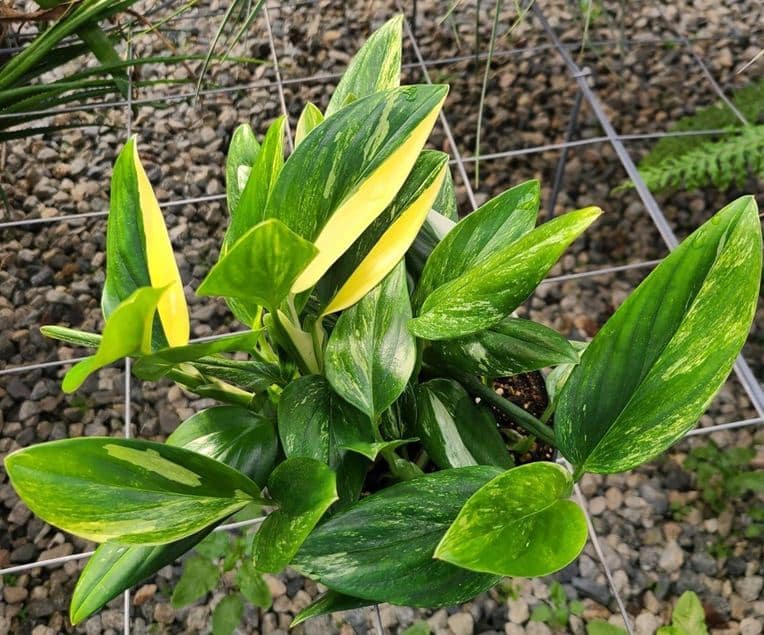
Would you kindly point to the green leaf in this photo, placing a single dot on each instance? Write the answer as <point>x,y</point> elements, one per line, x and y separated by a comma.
<point>489,229</point>
<point>252,374</point>
<point>376,66</point>
<point>370,354</point>
<point>654,367</point>
<point>253,586</point>
<point>71,336</point>
<point>520,524</point>
<point>315,422</point>
<point>136,492</point>
<point>227,615</point>
<point>689,615</point>
<point>419,627</point>
<point>747,481</point>
<point>454,430</point>
<point>541,613</point>
<point>238,437</point>
<point>241,156</point>
<point>434,229</point>
<point>329,602</point>
<point>215,545</point>
<point>200,576</point>
<point>156,365</point>
<point>348,170</point>
<point>557,377</point>
<point>304,489</point>
<point>310,117</point>
<point>511,347</point>
<point>372,450</point>
<point>261,267</point>
<point>663,630</point>
<point>598,627</point>
<point>127,332</point>
<point>445,203</point>
<point>381,548</point>
<point>498,284</point>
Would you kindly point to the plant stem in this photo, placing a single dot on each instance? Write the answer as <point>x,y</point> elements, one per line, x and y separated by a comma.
<point>524,419</point>
<point>216,389</point>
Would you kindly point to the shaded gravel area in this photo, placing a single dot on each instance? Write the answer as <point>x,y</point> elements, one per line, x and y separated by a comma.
<point>658,536</point>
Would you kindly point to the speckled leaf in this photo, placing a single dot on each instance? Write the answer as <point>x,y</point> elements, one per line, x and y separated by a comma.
<point>372,449</point>
<point>329,602</point>
<point>155,365</point>
<point>381,548</point>
<point>376,66</point>
<point>304,489</point>
<point>310,117</point>
<point>315,422</point>
<point>519,524</point>
<point>499,283</point>
<point>433,230</point>
<point>127,331</point>
<point>454,430</point>
<point>126,490</point>
<point>655,366</point>
<point>487,230</point>
<point>510,347</point>
<point>445,203</point>
<point>261,266</point>
<point>386,240</point>
<point>370,354</point>
<point>138,250</point>
<point>348,170</point>
<point>236,436</point>
<point>241,155</point>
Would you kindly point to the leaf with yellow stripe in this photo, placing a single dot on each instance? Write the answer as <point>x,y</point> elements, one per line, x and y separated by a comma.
<point>310,117</point>
<point>349,169</point>
<point>138,250</point>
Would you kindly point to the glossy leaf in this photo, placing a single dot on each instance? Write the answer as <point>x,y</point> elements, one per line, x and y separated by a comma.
<point>315,422</point>
<point>381,547</point>
<point>227,615</point>
<point>654,367</point>
<point>558,376</point>
<point>261,266</point>
<point>519,524</point>
<point>241,155</point>
<point>329,602</point>
<point>445,203</point>
<point>252,585</point>
<point>304,489</point>
<point>155,365</point>
<point>489,229</point>
<point>454,430</point>
<point>433,230</point>
<point>376,66</point>
<point>252,374</point>
<point>499,283</point>
<point>138,249</point>
<point>128,331</point>
<point>370,354</point>
<point>374,449</point>
<point>511,347</point>
<point>310,117</point>
<point>348,170</point>
<point>136,492</point>
<point>200,576</point>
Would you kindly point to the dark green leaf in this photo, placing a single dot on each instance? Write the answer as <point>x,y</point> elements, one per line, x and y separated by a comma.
<point>252,374</point>
<point>381,547</point>
<point>329,602</point>
<point>214,546</point>
<point>445,203</point>
<point>253,586</point>
<point>519,524</point>
<point>653,368</point>
<point>748,481</point>
<point>227,615</point>
<point>372,450</point>
<point>200,576</point>
<point>304,489</point>
<point>370,354</point>
<point>454,430</point>
<point>511,347</point>
<point>499,283</point>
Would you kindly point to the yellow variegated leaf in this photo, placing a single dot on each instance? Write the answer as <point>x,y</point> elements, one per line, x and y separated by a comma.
<point>163,271</point>
<point>367,201</point>
<point>310,117</point>
<point>389,250</point>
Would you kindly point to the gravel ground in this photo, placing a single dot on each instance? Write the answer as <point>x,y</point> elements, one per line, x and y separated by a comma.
<point>659,539</point>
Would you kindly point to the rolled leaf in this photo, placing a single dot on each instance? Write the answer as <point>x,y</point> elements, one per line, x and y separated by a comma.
<point>519,524</point>
<point>138,249</point>
<point>261,266</point>
<point>445,203</point>
<point>128,331</point>
<point>370,354</point>
<point>487,230</point>
<point>381,548</point>
<point>511,347</point>
<point>656,364</point>
<point>329,602</point>
<point>126,490</point>
<point>304,489</point>
<point>348,170</point>
<point>376,66</point>
<point>310,117</point>
<point>433,230</point>
<point>454,430</point>
<point>71,336</point>
<point>241,155</point>
<point>497,285</point>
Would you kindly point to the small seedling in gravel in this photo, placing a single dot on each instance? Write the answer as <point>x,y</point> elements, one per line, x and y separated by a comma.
<point>557,611</point>
<point>362,405</point>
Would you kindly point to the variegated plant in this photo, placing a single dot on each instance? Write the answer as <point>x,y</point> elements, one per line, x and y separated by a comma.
<point>376,323</point>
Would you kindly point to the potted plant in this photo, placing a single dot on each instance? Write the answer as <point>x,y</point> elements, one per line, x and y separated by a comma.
<point>366,414</point>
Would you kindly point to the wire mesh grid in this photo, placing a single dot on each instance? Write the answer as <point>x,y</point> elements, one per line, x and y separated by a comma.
<point>584,93</point>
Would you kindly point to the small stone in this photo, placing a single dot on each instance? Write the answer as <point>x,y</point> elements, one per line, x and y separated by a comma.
<point>40,608</point>
<point>438,620</point>
<point>144,594</point>
<point>164,613</point>
<point>113,618</point>
<point>613,498</point>
<point>461,624</point>
<point>591,589</point>
<point>672,557</point>
<point>198,618</point>
<point>750,626</point>
<point>597,505</point>
<point>518,611</point>
<point>15,594</point>
<point>646,624</point>
<point>276,586</point>
<point>513,629</point>
<point>537,628</point>
<point>749,588</point>
<point>41,629</point>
